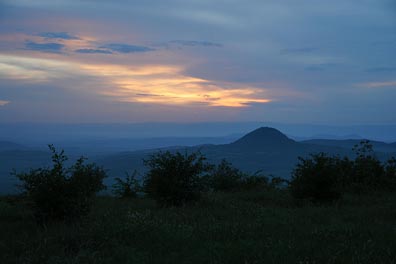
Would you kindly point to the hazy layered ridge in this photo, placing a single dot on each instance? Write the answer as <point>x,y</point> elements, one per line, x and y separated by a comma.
<point>265,149</point>
<point>41,134</point>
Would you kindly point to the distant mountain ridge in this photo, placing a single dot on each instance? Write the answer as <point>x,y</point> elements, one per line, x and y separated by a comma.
<point>20,160</point>
<point>350,143</point>
<point>8,145</point>
<point>264,137</point>
<point>266,149</point>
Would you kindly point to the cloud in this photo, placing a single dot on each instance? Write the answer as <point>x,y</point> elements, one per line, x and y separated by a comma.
<point>44,47</point>
<point>193,43</point>
<point>379,84</point>
<point>126,48</point>
<point>383,43</point>
<point>298,50</point>
<point>34,70</point>
<point>314,68</point>
<point>164,85</point>
<point>3,102</point>
<point>381,69</point>
<point>147,94</point>
<point>207,16</point>
<point>320,66</point>
<point>94,51</point>
<point>146,84</point>
<point>57,35</point>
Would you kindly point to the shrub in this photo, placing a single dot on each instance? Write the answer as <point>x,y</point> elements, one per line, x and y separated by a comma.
<point>345,169</point>
<point>367,175</point>
<point>254,182</point>
<point>175,179</point>
<point>60,193</point>
<point>258,181</point>
<point>278,183</point>
<point>127,188</point>
<point>390,174</point>
<point>368,172</point>
<point>225,177</point>
<point>323,178</point>
<point>316,179</point>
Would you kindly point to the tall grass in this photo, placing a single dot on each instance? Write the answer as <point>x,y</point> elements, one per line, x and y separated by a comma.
<point>241,227</point>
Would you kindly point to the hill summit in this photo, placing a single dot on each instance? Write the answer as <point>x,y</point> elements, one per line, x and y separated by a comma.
<point>264,137</point>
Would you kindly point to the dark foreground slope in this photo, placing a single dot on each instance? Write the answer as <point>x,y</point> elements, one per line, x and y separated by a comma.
<point>250,227</point>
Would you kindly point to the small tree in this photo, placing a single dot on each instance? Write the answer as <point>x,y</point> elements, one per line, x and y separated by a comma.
<point>60,193</point>
<point>316,179</point>
<point>127,188</point>
<point>175,179</point>
<point>368,172</point>
<point>255,182</point>
<point>225,177</point>
<point>278,183</point>
<point>390,174</point>
<point>345,169</point>
<point>364,149</point>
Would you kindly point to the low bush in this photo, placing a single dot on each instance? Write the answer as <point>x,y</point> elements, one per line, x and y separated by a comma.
<point>60,193</point>
<point>323,179</point>
<point>175,179</point>
<point>368,173</point>
<point>316,179</point>
<point>225,177</point>
<point>390,173</point>
<point>254,182</point>
<point>128,187</point>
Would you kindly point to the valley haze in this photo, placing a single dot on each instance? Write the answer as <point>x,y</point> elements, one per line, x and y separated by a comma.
<point>121,148</point>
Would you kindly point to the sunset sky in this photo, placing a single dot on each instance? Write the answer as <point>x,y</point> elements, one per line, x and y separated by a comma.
<point>97,61</point>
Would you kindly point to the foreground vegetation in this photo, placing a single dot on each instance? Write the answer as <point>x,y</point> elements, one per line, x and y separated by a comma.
<point>240,227</point>
<point>333,210</point>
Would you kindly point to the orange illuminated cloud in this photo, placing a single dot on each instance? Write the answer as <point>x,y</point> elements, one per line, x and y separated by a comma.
<point>150,84</point>
<point>167,85</point>
<point>3,102</point>
<point>116,70</point>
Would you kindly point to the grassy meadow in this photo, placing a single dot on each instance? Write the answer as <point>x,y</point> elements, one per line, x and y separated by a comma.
<point>238,227</point>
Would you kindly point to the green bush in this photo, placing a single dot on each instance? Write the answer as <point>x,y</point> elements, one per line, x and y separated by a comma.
<point>368,172</point>
<point>261,182</point>
<point>367,175</point>
<point>278,183</point>
<point>225,177</point>
<point>323,179</point>
<point>345,168</point>
<point>390,174</point>
<point>174,179</point>
<point>254,182</point>
<point>60,193</point>
<point>127,188</point>
<point>316,179</point>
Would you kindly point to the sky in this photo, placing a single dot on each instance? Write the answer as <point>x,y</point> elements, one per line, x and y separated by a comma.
<point>97,61</point>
